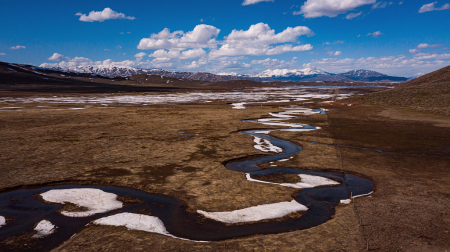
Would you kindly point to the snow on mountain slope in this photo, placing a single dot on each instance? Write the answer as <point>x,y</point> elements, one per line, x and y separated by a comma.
<point>289,72</point>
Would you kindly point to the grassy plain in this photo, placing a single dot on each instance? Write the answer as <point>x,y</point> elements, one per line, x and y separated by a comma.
<point>140,147</point>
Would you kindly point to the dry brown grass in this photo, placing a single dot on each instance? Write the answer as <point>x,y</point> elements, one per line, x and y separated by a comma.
<point>139,147</point>
<point>428,93</point>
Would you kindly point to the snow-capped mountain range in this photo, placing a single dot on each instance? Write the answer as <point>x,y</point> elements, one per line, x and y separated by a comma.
<point>306,74</point>
<point>290,72</point>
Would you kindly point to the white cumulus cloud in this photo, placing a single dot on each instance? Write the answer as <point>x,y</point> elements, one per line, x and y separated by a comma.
<point>330,8</point>
<point>193,53</point>
<point>260,39</point>
<point>431,7</point>
<point>140,56</point>
<point>203,36</point>
<point>58,57</point>
<point>275,63</point>
<point>412,51</point>
<point>248,2</point>
<point>101,16</point>
<point>17,47</point>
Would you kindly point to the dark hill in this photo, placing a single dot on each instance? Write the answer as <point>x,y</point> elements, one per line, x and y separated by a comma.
<point>430,92</point>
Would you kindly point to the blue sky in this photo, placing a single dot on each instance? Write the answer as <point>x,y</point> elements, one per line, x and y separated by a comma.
<point>401,38</point>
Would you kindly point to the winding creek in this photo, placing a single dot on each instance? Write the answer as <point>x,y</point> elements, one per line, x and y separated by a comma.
<point>24,208</point>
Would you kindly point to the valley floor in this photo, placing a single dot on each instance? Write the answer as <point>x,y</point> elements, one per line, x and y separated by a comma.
<point>405,154</point>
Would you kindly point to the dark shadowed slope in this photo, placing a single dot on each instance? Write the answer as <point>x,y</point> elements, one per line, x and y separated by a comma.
<point>430,93</point>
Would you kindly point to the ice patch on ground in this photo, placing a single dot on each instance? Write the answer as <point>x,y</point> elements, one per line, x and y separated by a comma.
<point>239,105</point>
<point>95,200</point>
<point>256,213</point>
<point>2,221</point>
<point>44,228</point>
<point>140,222</point>
<point>361,195</point>
<point>307,181</point>
<point>346,201</point>
<point>266,145</point>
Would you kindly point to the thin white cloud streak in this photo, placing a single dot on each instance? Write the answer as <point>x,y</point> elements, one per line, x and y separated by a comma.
<point>334,43</point>
<point>375,34</point>
<point>379,5</point>
<point>329,8</point>
<point>336,53</point>
<point>17,47</point>
<point>103,15</point>
<point>431,7</point>
<point>249,2</point>
<point>412,51</point>
<point>353,15</point>
<point>1,54</point>
<point>425,45</point>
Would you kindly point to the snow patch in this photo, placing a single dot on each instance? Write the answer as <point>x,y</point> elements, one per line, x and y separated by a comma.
<point>44,228</point>
<point>96,200</point>
<point>139,222</point>
<point>239,105</point>
<point>2,221</point>
<point>307,181</point>
<point>256,213</point>
<point>266,146</point>
<point>346,201</point>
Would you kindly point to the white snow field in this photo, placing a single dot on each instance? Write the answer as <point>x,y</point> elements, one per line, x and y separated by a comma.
<point>95,200</point>
<point>44,228</point>
<point>307,181</point>
<point>140,222</point>
<point>258,95</point>
<point>256,213</point>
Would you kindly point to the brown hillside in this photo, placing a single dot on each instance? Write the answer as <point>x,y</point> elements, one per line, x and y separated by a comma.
<point>430,93</point>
